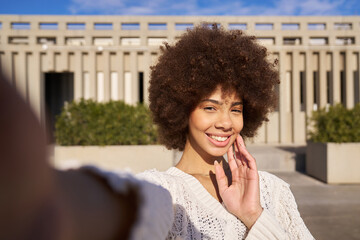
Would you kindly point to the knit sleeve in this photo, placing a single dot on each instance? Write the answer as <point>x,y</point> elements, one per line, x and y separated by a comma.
<point>280,218</point>
<point>266,227</point>
<point>155,214</point>
<point>288,214</point>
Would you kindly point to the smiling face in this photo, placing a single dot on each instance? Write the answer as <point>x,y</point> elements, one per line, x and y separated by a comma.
<point>215,123</point>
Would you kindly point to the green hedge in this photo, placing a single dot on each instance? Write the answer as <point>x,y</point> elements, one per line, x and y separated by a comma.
<point>337,124</point>
<point>87,122</point>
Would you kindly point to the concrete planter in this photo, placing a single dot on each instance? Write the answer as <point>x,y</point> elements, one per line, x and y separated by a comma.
<point>135,158</point>
<point>333,162</point>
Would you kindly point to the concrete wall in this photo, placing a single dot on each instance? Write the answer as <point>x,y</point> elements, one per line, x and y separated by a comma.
<point>333,162</point>
<point>318,59</point>
<point>133,158</point>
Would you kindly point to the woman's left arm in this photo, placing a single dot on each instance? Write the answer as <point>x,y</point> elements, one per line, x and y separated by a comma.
<point>242,197</point>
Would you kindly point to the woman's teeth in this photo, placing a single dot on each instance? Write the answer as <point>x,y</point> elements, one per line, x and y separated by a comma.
<point>218,138</point>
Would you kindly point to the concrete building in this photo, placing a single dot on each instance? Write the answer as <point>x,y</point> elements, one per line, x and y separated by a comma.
<point>52,59</point>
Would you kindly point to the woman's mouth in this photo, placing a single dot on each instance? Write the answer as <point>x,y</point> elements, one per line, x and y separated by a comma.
<point>218,138</point>
<point>219,141</point>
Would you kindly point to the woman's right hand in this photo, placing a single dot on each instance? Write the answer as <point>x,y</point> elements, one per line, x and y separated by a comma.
<point>37,202</point>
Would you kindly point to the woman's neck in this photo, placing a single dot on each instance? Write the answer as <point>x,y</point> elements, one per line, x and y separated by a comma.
<point>195,163</point>
<point>203,169</point>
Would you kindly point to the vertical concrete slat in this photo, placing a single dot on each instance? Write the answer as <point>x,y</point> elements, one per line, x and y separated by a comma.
<point>78,75</point>
<point>349,79</point>
<point>322,80</point>
<point>296,136</point>
<point>107,80</point>
<point>147,56</point>
<point>301,133</point>
<point>34,25</point>
<point>143,32</point>
<point>117,30</point>
<point>282,98</point>
<point>63,65</point>
<point>35,93</point>
<point>49,61</point>
<point>336,76</point>
<point>120,69</point>
<point>288,97</point>
<point>88,39</point>
<point>309,84</point>
<point>20,72</point>
<point>92,74</point>
<point>171,32</point>
<point>2,67</point>
<point>60,38</point>
<point>134,77</point>
<point>358,74</point>
<point>8,66</point>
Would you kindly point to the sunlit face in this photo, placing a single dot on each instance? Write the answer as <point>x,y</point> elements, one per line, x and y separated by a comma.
<point>215,123</point>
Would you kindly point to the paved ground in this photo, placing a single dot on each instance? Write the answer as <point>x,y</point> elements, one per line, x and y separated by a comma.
<point>329,211</point>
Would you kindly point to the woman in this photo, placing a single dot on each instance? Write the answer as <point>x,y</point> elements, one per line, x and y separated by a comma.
<point>207,92</point>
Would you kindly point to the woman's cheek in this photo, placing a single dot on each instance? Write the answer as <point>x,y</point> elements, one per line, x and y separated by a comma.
<point>239,124</point>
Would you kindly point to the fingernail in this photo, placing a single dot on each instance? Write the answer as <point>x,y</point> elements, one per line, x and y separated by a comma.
<point>216,162</point>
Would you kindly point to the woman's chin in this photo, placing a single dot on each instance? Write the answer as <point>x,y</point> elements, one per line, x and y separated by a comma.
<point>218,153</point>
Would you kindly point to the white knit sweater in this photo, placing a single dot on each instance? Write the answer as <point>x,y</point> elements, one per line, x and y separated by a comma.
<point>197,215</point>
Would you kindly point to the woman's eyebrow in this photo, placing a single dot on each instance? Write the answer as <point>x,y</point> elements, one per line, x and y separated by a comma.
<point>236,103</point>
<point>221,103</point>
<point>212,100</point>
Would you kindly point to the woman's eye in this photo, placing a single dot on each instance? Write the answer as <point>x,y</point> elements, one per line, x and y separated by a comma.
<point>237,110</point>
<point>209,108</point>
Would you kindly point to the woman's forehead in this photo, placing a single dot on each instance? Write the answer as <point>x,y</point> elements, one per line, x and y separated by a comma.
<point>224,94</point>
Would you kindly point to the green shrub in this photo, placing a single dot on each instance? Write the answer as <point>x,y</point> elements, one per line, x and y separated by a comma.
<point>338,124</point>
<point>87,122</point>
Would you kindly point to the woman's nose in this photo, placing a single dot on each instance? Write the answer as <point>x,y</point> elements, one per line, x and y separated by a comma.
<point>224,121</point>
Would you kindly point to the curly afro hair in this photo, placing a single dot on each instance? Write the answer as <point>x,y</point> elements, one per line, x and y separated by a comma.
<point>204,58</point>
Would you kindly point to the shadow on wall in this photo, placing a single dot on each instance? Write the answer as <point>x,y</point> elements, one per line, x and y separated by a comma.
<point>279,158</point>
<point>299,155</point>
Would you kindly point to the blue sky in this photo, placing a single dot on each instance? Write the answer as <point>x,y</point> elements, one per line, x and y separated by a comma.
<point>181,7</point>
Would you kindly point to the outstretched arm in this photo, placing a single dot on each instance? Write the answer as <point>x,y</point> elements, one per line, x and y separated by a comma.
<point>37,202</point>
<point>242,197</point>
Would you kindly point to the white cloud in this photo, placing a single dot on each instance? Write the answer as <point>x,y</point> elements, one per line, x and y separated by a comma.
<point>211,7</point>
